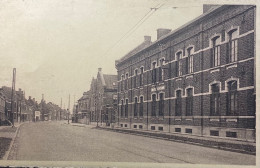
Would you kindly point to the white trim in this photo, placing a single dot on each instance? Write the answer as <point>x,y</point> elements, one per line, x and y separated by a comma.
<point>212,83</point>
<point>214,36</point>
<point>178,51</point>
<point>231,79</point>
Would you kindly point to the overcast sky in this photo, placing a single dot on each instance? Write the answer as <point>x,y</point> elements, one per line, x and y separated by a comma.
<point>57,46</point>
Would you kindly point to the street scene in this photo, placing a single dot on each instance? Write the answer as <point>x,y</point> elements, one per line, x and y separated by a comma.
<point>151,81</point>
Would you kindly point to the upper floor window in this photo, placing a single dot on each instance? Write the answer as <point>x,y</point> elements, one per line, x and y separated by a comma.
<point>178,103</point>
<point>232,98</point>
<point>141,106</point>
<point>135,78</point>
<point>179,63</point>
<point>135,107</point>
<point>154,105</point>
<point>161,71</point>
<point>232,45</point>
<point>215,99</point>
<point>154,72</point>
<point>122,82</point>
<point>141,76</point>
<point>189,60</point>
<point>161,105</point>
<point>189,102</point>
<point>126,81</point>
<point>215,59</point>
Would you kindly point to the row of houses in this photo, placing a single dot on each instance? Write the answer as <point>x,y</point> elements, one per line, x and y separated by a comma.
<point>24,109</point>
<point>198,79</point>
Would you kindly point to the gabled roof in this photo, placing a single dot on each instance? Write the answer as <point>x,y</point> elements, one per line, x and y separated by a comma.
<point>110,81</point>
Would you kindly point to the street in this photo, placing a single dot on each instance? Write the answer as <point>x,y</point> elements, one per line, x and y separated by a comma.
<point>57,141</point>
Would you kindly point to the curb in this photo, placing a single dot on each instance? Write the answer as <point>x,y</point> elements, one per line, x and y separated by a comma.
<point>11,144</point>
<point>207,143</point>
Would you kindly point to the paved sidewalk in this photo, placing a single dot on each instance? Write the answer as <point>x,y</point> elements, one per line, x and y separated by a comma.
<point>7,136</point>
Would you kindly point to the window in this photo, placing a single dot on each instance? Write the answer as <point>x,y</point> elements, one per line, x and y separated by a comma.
<point>214,133</point>
<point>178,103</point>
<point>141,76</point>
<point>122,82</point>
<point>179,64</point>
<point>135,78</point>
<point>126,108</point>
<point>140,127</point>
<point>135,108</point>
<point>152,127</point>
<point>215,59</point>
<point>188,130</point>
<point>154,105</point>
<point>232,98</point>
<point>161,72</point>
<point>177,129</point>
<point>141,107</point>
<point>135,126</point>
<point>231,134</point>
<point>189,102</point>
<point>189,60</point>
<point>160,128</point>
<point>122,108</point>
<point>161,105</point>
<point>154,72</point>
<point>126,81</point>
<point>232,45</point>
<point>214,100</point>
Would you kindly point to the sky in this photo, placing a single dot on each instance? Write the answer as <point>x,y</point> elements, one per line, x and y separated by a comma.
<point>57,46</point>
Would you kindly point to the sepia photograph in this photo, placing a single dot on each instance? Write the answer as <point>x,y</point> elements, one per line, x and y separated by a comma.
<point>128,83</point>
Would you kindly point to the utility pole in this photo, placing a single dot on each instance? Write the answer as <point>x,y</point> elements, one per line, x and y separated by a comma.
<point>60,107</point>
<point>69,110</point>
<point>12,96</point>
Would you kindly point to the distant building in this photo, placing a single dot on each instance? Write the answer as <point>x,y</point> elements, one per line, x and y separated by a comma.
<point>198,79</point>
<point>82,109</point>
<point>103,98</point>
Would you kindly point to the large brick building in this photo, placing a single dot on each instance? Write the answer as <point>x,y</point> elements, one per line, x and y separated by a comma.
<point>198,79</point>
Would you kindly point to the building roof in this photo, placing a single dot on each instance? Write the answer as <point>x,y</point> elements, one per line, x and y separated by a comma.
<point>110,81</point>
<point>136,50</point>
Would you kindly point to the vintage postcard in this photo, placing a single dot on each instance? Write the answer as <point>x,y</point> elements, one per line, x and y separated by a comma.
<point>129,83</point>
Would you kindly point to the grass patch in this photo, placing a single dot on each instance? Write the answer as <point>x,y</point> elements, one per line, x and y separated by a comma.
<point>4,145</point>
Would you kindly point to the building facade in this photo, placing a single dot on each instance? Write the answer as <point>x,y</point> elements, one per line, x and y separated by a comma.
<point>103,99</point>
<point>198,79</point>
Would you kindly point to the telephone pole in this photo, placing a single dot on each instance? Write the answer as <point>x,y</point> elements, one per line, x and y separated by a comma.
<point>69,110</point>
<point>13,96</point>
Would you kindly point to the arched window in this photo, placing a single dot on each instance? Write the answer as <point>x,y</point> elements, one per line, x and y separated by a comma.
<point>232,98</point>
<point>135,107</point>
<point>141,76</point>
<point>189,102</point>
<point>161,105</point>
<point>122,82</point>
<point>135,78</point>
<point>154,105</point>
<point>215,58</point>
<point>215,99</point>
<point>189,60</point>
<point>141,106</point>
<point>126,81</point>
<point>122,108</point>
<point>179,64</point>
<point>154,72</point>
<point>161,72</point>
<point>126,108</point>
<point>232,45</point>
<point>178,102</point>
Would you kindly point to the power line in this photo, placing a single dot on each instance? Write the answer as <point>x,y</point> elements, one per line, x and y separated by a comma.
<point>132,29</point>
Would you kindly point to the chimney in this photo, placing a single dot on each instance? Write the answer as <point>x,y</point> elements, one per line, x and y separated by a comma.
<point>161,32</point>
<point>20,89</point>
<point>99,69</point>
<point>30,97</point>
<point>207,7</point>
<point>147,38</point>
<point>34,99</point>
